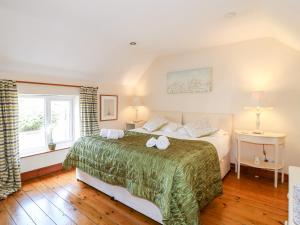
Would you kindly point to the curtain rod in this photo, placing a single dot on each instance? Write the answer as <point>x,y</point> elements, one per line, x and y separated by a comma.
<point>49,84</point>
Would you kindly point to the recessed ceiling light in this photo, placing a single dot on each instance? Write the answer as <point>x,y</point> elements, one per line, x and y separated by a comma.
<point>230,15</point>
<point>132,43</point>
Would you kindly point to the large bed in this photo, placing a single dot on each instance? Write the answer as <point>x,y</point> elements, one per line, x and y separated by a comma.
<point>168,186</point>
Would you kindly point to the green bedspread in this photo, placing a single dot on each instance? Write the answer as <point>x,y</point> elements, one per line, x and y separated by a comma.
<point>180,180</point>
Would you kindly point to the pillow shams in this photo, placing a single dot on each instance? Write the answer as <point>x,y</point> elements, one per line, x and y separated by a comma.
<point>171,127</point>
<point>200,128</point>
<point>155,123</point>
<point>182,132</point>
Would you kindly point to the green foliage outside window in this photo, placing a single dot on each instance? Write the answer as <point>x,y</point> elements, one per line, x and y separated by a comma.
<point>31,123</point>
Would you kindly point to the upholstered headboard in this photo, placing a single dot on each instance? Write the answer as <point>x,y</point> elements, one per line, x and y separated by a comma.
<point>173,116</point>
<point>218,120</point>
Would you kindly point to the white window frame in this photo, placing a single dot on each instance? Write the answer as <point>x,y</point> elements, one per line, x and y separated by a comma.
<point>47,118</point>
<point>50,98</point>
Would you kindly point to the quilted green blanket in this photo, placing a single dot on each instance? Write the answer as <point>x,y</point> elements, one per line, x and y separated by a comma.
<point>180,181</point>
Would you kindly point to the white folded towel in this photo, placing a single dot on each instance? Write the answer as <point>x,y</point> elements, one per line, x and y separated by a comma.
<point>112,133</point>
<point>151,142</point>
<point>121,133</point>
<point>296,207</point>
<point>103,132</point>
<point>162,142</point>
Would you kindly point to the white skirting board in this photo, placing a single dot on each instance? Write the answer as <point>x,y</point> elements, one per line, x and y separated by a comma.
<point>139,204</point>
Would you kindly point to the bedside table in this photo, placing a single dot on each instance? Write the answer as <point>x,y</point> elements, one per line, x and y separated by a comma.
<point>267,138</point>
<point>132,125</point>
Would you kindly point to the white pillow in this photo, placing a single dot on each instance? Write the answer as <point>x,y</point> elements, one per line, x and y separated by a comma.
<point>155,123</point>
<point>222,132</point>
<point>200,128</point>
<point>182,131</point>
<point>171,127</point>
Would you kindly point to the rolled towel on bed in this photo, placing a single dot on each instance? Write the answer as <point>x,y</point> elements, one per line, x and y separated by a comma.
<point>162,142</point>
<point>112,133</point>
<point>151,142</point>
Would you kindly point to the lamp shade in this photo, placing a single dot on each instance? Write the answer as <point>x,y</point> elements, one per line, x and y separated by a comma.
<point>136,101</point>
<point>258,104</point>
<point>258,101</point>
<point>258,98</point>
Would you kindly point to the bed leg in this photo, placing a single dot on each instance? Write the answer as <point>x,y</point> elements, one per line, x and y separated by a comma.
<point>112,198</point>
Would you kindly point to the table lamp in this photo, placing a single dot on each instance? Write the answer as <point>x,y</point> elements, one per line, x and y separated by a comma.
<point>258,106</point>
<point>136,102</point>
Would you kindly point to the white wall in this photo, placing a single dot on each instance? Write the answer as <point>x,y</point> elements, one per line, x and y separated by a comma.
<point>44,160</point>
<point>238,69</point>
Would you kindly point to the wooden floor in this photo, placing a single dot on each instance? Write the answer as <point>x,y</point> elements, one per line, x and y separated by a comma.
<point>61,199</point>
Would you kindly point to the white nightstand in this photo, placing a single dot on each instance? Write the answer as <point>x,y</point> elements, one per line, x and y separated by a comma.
<point>267,138</point>
<point>132,125</point>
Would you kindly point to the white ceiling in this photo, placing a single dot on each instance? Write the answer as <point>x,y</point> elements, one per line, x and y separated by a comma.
<point>88,40</point>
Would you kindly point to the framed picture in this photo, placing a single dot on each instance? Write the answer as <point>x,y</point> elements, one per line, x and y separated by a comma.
<point>108,107</point>
<point>190,81</point>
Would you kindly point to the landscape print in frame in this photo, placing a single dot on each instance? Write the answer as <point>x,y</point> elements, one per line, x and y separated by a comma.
<point>108,107</point>
<point>190,81</point>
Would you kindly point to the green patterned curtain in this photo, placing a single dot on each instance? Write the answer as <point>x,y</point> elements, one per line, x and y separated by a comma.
<point>88,111</point>
<point>10,180</point>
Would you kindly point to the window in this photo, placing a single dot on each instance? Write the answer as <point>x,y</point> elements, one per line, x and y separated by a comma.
<point>42,118</point>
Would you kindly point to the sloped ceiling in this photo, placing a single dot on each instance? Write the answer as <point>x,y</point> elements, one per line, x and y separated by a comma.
<point>89,40</point>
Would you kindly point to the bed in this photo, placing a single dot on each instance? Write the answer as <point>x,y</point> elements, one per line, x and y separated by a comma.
<point>146,201</point>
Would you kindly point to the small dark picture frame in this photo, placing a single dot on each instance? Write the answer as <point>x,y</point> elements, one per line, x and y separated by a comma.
<point>108,107</point>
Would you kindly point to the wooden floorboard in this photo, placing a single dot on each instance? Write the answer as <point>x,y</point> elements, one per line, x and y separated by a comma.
<point>56,215</point>
<point>69,209</point>
<point>34,211</point>
<point>5,218</point>
<point>60,199</point>
<point>16,212</point>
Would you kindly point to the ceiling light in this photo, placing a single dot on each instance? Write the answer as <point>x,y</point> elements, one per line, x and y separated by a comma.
<point>132,43</point>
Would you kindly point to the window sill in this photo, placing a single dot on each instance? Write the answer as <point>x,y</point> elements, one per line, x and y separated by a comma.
<point>59,148</point>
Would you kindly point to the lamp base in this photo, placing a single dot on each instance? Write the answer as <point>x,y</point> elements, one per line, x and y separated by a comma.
<point>257,132</point>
